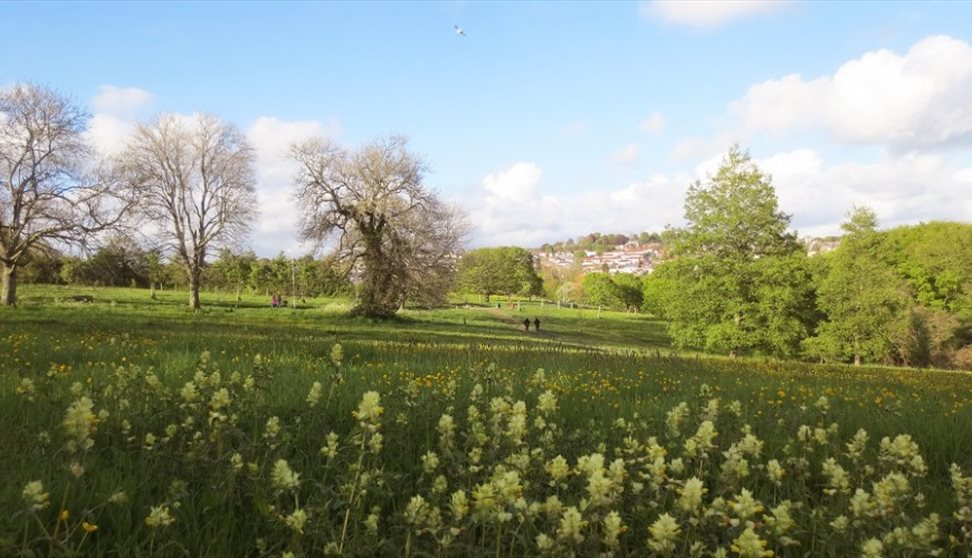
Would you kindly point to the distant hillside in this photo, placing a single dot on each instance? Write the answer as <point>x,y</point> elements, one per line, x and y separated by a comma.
<point>598,242</point>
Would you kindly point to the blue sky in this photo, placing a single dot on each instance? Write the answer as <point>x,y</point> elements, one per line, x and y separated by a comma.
<point>547,120</point>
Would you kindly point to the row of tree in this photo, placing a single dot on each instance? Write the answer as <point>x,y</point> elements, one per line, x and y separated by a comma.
<point>190,181</point>
<point>120,262</point>
<point>737,281</point>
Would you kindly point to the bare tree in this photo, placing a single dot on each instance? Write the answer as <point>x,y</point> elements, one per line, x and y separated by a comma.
<point>50,193</point>
<point>195,182</point>
<point>392,231</point>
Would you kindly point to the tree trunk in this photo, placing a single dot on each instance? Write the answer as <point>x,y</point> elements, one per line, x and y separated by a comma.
<point>238,297</point>
<point>152,290</point>
<point>194,290</point>
<point>379,295</point>
<point>9,293</point>
<point>857,360</point>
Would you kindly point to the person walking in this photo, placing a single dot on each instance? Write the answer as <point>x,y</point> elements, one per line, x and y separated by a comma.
<point>536,324</point>
<point>526,324</point>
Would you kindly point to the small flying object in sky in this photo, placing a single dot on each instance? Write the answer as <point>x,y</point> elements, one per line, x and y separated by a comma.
<point>459,30</point>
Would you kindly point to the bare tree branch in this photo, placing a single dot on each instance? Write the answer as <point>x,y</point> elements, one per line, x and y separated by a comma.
<point>51,189</point>
<point>194,179</point>
<point>402,239</point>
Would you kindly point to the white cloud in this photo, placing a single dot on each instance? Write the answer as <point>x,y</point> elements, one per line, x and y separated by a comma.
<point>706,13</point>
<point>903,189</point>
<point>271,138</point>
<point>115,114</point>
<point>513,208</point>
<point>531,217</point>
<point>654,124</point>
<point>697,148</point>
<point>120,101</point>
<point>626,155</point>
<point>916,100</point>
<point>516,184</point>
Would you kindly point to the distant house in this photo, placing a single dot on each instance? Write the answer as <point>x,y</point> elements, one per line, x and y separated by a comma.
<point>821,245</point>
<point>631,257</point>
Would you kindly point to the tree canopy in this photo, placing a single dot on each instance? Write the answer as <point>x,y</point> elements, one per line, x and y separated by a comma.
<point>719,288</point>
<point>504,270</point>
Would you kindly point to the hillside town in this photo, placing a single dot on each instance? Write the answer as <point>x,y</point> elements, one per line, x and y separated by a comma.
<point>640,258</point>
<point>631,257</point>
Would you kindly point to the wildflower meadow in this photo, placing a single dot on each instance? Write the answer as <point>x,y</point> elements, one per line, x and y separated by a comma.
<point>137,429</point>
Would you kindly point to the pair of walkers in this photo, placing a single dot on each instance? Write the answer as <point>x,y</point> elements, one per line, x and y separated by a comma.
<point>536,324</point>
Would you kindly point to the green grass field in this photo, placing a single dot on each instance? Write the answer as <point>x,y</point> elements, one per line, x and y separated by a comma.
<point>241,430</point>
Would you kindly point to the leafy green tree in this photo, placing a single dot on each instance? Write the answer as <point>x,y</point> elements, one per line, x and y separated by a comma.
<point>155,270</point>
<point>630,290</point>
<point>261,276</point>
<point>657,288</point>
<point>322,277</point>
<point>716,277</point>
<point>75,271</point>
<point>233,270</point>
<point>861,296</point>
<point>505,270</point>
<point>600,291</point>
<point>120,262</point>
<point>786,302</point>
<point>934,262</point>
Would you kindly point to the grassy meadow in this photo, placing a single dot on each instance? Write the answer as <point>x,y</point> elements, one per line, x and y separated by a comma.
<point>132,427</point>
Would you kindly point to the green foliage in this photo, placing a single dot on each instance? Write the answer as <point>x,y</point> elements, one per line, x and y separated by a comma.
<point>118,263</point>
<point>903,295</point>
<point>733,282</point>
<point>630,290</point>
<point>505,270</point>
<point>786,309</point>
<point>232,270</point>
<point>621,291</point>
<point>861,297</point>
<point>936,261</point>
<point>600,290</point>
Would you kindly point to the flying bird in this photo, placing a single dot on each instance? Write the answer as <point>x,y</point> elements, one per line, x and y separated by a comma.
<point>459,30</point>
